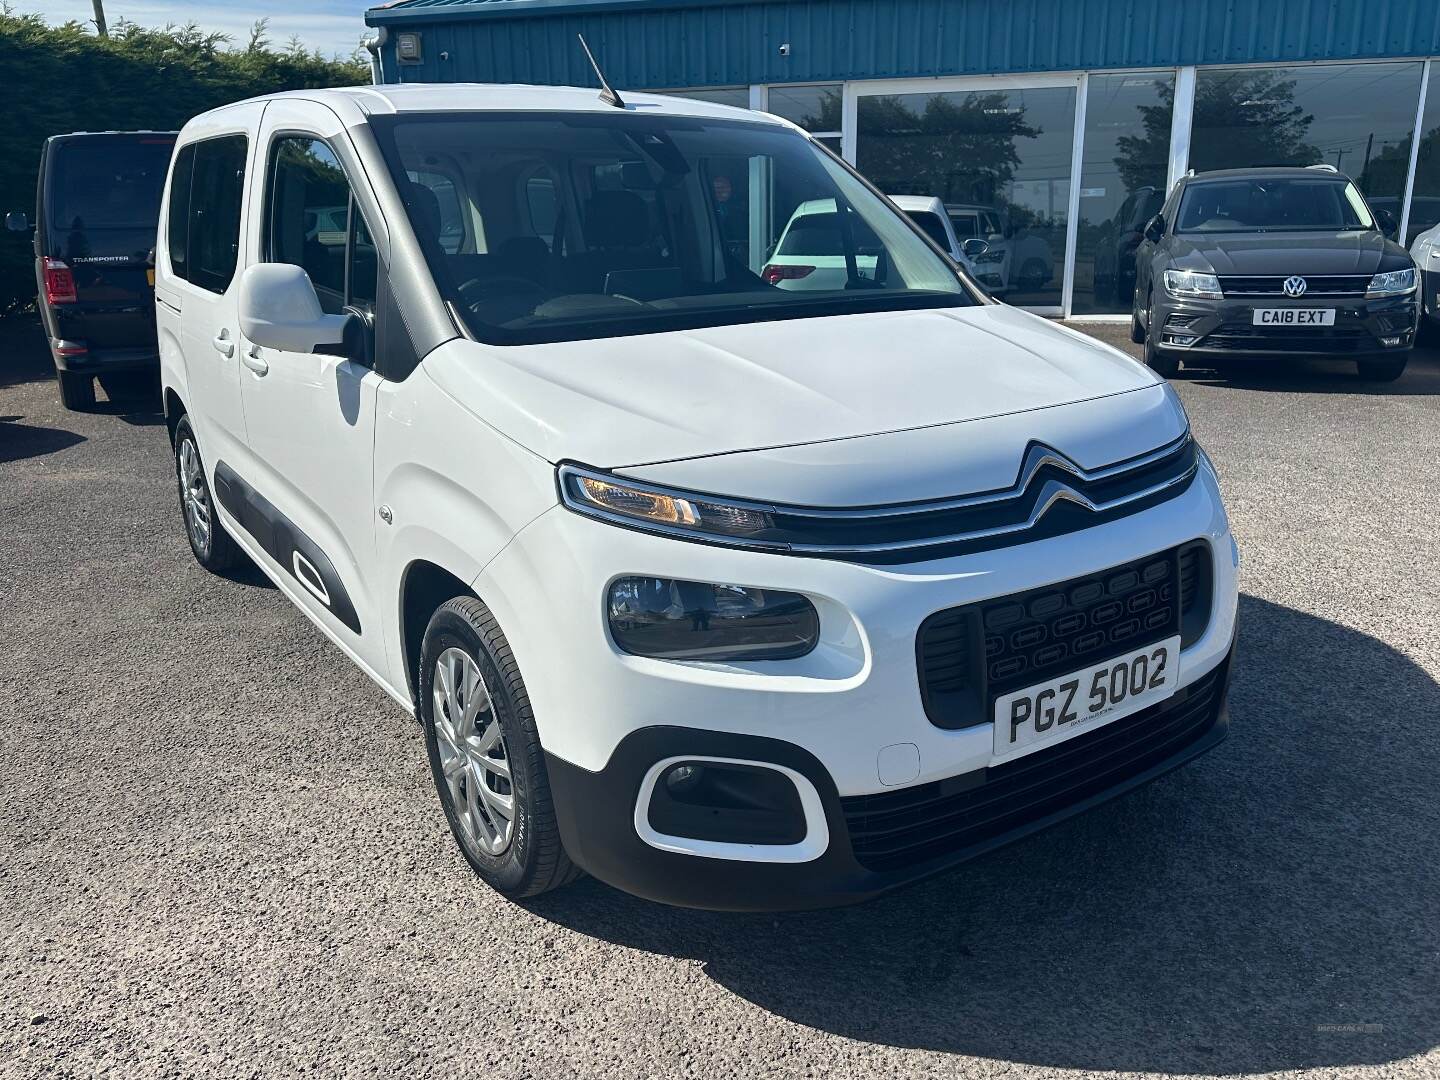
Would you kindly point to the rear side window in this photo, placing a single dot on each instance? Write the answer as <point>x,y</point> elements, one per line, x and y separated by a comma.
<point>203,221</point>
<point>177,217</point>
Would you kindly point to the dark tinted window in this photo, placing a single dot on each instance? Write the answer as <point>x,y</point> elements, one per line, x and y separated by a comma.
<point>1272,203</point>
<point>819,233</point>
<point>313,223</point>
<point>216,190</point>
<point>108,183</point>
<point>931,226</point>
<point>178,215</point>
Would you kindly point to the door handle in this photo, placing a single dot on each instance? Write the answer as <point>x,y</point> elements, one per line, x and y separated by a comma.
<point>223,345</point>
<point>252,359</point>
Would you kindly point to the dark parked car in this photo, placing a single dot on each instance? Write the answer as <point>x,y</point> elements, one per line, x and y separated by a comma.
<point>96,209</point>
<point>1246,264</point>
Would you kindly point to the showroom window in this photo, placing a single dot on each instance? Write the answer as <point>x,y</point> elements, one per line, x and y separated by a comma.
<point>1001,154</point>
<point>1124,165</point>
<point>1425,202</point>
<point>817,109</point>
<point>1356,117</point>
<point>738,96</point>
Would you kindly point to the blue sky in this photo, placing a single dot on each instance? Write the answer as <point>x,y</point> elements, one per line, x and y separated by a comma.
<point>332,26</point>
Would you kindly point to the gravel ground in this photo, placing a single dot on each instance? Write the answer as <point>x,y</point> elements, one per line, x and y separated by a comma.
<point>221,854</point>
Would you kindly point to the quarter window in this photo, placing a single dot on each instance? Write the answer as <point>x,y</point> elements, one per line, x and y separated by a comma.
<point>177,215</point>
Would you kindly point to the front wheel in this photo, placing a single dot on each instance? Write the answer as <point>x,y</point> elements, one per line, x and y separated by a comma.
<point>1163,363</point>
<point>1387,369</point>
<point>485,754</point>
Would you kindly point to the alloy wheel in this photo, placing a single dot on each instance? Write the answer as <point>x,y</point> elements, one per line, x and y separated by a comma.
<point>473,756</point>
<point>195,495</point>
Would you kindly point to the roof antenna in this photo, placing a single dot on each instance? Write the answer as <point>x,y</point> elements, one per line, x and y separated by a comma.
<point>607,92</point>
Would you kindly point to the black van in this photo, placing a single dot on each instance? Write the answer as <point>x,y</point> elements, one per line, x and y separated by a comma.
<point>96,211</point>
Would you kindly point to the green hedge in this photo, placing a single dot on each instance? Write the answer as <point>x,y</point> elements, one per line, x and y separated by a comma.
<point>64,78</point>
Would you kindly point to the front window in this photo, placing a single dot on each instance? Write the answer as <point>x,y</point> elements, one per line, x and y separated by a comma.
<point>1273,204</point>
<point>600,224</point>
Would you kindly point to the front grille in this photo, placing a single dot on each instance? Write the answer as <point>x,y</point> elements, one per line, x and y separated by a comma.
<point>1242,336</point>
<point>1274,285</point>
<point>967,656</point>
<point>893,830</point>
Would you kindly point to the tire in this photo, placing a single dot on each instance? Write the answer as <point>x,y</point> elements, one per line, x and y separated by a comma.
<point>466,667</point>
<point>1166,364</point>
<point>1137,331</point>
<point>77,392</point>
<point>214,548</point>
<point>1387,370</point>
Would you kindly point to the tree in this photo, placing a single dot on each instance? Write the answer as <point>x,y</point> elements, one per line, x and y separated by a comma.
<point>1242,119</point>
<point>133,78</point>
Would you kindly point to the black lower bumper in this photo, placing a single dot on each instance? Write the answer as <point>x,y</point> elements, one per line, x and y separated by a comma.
<point>1225,328</point>
<point>1430,295</point>
<point>106,361</point>
<point>877,842</point>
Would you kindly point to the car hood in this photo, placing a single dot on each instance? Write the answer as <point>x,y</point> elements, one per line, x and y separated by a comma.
<point>624,402</point>
<point>1286,253</point>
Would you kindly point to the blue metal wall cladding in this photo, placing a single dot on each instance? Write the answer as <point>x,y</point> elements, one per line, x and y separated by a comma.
<point>677,43</point>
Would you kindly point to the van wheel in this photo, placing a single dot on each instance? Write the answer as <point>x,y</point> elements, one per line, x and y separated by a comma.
<point>213,547</point>
<point>1386,370</point>
<point>1166,364</point>
<point>485,754</point>
<point>77,392</point>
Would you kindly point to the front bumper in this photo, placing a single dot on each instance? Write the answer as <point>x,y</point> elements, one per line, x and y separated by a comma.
<point>878,842</point>
<point>606,718</point>
<point>1224,328</point>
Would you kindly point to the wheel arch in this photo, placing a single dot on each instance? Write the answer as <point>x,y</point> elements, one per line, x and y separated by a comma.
<point>424,586</point>
<point>174,409</point>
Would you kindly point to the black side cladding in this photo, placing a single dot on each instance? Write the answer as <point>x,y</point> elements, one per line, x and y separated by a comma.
<point>285,543</point>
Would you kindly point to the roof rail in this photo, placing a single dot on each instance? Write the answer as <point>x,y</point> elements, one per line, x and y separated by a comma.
<point>1322,167</point>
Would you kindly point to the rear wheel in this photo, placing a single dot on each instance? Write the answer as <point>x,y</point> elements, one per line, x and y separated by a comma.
<point>1386,369</point>
<point>1137,331</point>
<point>213,547</point>
<point>77,392</point>
<point>1159,361</point>
<point>485,754</point>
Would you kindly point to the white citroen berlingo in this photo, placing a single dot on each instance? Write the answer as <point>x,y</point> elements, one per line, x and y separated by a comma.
<point>732,591</point>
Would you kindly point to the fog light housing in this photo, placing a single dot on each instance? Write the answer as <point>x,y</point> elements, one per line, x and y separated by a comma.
<point>695,620</point>
<point>727,803</point>
<point>1391,341</point>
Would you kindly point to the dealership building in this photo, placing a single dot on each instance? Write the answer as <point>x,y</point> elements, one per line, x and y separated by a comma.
<point>1051,128</point>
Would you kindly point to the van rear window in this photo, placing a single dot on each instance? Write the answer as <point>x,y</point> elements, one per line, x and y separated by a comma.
<point>108,183</point>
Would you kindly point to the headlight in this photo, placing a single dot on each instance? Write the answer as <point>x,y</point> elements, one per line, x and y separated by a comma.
<point>1189,283</point>
<point>664,510</point>
<point>1395,283</point>
<point>693,620</point>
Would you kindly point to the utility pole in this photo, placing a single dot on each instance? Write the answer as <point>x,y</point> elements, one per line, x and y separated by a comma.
<point>100,27</point>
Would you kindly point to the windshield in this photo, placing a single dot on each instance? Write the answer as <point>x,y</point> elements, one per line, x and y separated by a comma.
<point>1273,204</point>
<point>550,227</point>
<point>108,183</point>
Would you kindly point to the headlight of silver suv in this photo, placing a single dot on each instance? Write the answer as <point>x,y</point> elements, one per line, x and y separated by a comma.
<point>668,511</point>
<point>1190,283</point>
<point>1395,283</point>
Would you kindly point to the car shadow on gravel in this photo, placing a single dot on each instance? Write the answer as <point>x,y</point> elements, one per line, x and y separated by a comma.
<point>1271,906</point>
<point>20,441</point>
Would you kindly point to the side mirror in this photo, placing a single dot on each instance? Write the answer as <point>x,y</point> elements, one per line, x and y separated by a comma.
<point>279,310</point>
<point>16,221</point>
<point>974,247</point>
<point>1388,225</point>
<point>1155,229</point>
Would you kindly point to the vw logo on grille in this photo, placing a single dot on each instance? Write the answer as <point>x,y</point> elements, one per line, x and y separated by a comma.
<point>1294,286</point>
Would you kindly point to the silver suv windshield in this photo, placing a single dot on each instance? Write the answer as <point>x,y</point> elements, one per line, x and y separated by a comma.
<point>558,226</point>
<point>1278,204</point>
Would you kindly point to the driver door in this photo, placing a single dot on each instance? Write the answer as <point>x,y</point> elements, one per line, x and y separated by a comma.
<point>312,440</point>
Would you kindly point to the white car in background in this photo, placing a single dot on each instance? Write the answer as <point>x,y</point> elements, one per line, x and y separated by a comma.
<point>810,252</point>
<point>1426,253</point>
